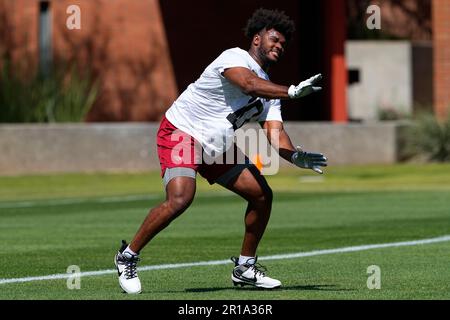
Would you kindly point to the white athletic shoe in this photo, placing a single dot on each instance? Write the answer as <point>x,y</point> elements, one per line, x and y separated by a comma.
<point>126,268</point>
<point>253,275</point>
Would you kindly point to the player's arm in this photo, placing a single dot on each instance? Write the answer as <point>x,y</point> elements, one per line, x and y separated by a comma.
<point>281,141</point>
<point>255,86</point>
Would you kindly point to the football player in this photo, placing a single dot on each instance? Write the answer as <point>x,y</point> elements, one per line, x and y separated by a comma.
<point>233,90</point>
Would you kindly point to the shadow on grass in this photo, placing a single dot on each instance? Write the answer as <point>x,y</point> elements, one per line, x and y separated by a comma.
<point>315,287</point>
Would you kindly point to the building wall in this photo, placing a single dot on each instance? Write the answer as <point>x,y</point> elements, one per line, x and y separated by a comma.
<point>18,34</point>
<point>404,19</point>
<point>410,19</point>
<point>385,78</point>
<point>122,43</point>
<point>441,42</point>
<point>130,46</point>
<point>131,147</point>
<point>125,44</point>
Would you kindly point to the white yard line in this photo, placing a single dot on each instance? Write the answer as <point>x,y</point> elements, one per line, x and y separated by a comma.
<point>222,262</point>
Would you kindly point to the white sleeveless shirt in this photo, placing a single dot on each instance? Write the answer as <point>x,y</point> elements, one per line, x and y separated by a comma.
<point>212,108</point>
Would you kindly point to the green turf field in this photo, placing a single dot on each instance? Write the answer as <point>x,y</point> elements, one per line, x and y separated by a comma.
<point>48,223</point>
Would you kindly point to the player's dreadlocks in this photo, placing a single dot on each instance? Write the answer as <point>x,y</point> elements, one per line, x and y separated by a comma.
<point>264,18</point>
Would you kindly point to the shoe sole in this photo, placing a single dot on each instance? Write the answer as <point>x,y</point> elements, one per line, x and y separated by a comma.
<point>238,282</point>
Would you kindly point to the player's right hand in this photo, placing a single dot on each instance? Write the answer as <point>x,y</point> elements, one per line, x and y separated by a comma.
<point>305,87</point>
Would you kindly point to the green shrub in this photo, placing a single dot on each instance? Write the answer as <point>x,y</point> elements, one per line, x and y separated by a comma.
<point>392,114</point>
<point>61,96</point>
<point>430,137</point>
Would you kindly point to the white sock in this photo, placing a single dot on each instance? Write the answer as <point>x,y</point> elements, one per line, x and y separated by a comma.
<point>129,251</point>
<point>245,259</point>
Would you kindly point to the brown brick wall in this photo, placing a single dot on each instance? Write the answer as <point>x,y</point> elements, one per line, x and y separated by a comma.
<point>18,33</point>
<point>125,45</point>
<point>123,42</point>
<point>441,43</point>
<point>409,19</point>
<point>406,19</point>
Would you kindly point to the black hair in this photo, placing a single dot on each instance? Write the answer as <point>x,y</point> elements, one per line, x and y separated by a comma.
<point>268,19</point>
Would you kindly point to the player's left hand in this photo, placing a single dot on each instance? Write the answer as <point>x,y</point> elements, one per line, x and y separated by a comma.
<point>305,87</point>
<point>309,160</point>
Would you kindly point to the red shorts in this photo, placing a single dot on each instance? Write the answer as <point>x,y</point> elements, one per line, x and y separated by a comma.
<point>178,149</point>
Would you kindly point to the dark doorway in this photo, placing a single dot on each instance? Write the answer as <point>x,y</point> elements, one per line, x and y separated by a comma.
<point>199,31</point>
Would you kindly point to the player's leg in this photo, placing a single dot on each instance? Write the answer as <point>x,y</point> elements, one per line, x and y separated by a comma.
<point>179,182</point>
<point>253,187</point>
<point>180,191</point>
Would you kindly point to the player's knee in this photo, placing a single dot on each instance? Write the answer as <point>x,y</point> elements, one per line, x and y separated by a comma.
<point>265,196</point>
<point>178,203</point>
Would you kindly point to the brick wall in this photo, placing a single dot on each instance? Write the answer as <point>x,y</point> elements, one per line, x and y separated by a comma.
<point>441,42</point>
<point>18,34</point>
<point>123,42</point>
